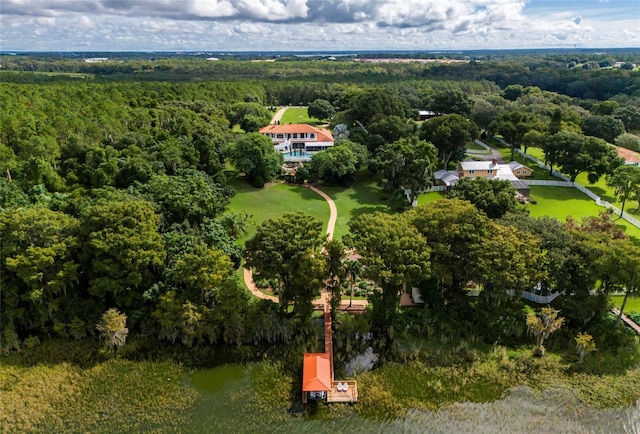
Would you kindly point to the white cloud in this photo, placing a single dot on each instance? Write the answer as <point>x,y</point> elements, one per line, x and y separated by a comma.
<point>211,8</point>
<point>349,28</point>
<point>324,24</point>
<point>45,21</point>
<point>251,28</point>
<point>85,22</point>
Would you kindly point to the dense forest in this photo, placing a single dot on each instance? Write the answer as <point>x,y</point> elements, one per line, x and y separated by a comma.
<point>115,184</point>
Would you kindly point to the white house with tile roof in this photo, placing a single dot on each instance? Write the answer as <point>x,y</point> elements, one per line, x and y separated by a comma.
<point>297,142</point>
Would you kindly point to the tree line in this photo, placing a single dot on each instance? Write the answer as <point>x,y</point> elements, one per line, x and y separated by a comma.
<point>113,196</point>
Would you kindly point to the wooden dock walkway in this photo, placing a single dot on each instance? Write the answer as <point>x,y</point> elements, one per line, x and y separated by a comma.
<point>627,320</point>
<point>343,390</point>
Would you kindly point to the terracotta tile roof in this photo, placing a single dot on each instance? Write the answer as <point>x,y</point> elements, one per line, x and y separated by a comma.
<point>316,372</point>
<point>628,155</point>
<point>322,135</point>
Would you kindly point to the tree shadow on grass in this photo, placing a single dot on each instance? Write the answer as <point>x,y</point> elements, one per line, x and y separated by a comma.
<point>357,212</point>
<point>560,193</point>
<point>604,194</point>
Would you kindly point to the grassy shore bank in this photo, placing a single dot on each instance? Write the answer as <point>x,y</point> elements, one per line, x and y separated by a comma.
<point>119,395</point>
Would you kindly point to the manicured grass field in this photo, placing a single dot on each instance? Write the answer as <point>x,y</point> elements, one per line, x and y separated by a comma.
<point>364,196</point>
<point>273,201</point>
<point>600,188</point>
<point>536,152</point>
<point>607,193</point>
<point>633,303</point>
<point>297,115</point>
<point>475,147</point>
<point>430,197</point>
<point>561,202</point>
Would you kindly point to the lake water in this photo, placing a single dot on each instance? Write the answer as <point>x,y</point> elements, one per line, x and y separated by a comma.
<point>231,402</point>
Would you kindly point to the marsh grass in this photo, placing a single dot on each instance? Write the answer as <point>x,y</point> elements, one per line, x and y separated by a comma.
<point>390,390</point>
<point>118,395</point>
<point>112,396</point>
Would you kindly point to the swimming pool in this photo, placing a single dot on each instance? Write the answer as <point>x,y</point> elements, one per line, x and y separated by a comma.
<point>297,155</point>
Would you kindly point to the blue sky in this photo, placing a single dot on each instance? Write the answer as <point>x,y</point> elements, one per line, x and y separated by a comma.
<point>210,25</point>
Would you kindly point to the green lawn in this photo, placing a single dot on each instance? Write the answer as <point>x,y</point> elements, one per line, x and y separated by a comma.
<point>561,202</point>
<point>536,152</point>
<point>506,154</point>
<point>274,200</point>
<point>475,147</point>
<point>607,193</point>
<point>364,196</point>
<point>297,115</point>
<point>426,198</point>
<point>633,303</point>
<point>600,188</point>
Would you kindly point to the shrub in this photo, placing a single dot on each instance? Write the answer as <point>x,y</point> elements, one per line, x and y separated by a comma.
<point>257,181</point>
<point>585,345</point>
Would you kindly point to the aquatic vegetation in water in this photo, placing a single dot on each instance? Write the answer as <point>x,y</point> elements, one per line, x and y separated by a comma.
<point>361,363</point>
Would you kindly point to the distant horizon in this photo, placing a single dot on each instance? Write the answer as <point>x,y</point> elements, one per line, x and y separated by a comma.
<point>319,25</point>
<point>339,52</point>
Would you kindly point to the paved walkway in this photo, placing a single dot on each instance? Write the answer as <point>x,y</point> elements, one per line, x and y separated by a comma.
<point>278,115</point>
<point>494,154</point>
<point>333,216</point>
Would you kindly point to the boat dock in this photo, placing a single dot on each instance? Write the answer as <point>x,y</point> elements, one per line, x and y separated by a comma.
<point>318,381</point>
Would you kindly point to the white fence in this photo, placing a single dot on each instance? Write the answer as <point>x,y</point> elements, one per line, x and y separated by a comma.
<point>588,192</point>
<point>540,299</point>
<point>436,188</point>
<point>483,144</point>
<point>549,183</point>
<point>487,149</point>
<point>567,183</point>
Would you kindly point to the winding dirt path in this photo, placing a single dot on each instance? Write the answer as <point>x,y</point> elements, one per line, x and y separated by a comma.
<point>333,216</point>
<point>278,115</point>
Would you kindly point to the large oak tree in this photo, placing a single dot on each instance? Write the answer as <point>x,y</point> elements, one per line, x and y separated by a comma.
<point>283,249</point>
<point>394,255</point>
<point>450,134</point>
<point>408,164</point>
